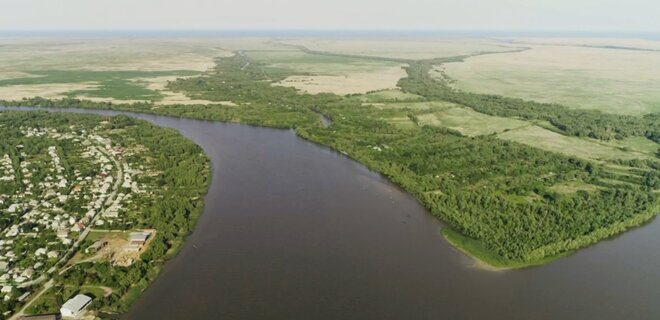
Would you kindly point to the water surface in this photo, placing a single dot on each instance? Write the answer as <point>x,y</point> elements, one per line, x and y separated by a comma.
<point>292,230</point>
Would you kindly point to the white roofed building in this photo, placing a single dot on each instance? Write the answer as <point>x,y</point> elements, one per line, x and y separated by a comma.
<point>75,306</point>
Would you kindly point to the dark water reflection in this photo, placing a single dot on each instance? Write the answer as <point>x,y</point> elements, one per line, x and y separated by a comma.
<point>292,230</point>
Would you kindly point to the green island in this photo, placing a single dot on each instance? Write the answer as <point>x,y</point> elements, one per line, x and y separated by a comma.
<point>518,183</point>
<point>92,205</point>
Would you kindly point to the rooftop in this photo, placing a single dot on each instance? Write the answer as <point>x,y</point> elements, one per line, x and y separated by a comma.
<point>77,303</point>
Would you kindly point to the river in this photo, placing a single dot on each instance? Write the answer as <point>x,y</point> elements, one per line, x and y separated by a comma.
<point>292,230</point>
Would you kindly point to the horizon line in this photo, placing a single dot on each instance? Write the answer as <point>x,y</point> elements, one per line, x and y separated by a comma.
<point>328,31</point>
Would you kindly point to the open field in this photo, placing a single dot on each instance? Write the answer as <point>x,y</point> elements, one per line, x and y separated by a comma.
<point>638,144</point>
<point>408,48</point>
<point>159,84</point>
<point>606,43</point>
<point>340,75</point>
<point>582,148</point>
<point>418,106</point>
<point>470,122</point>
<point>36,54</point>
<point>395,95</point>
<point>50,91</point>
<point>353,82</point>
<point>532,133</point>
<point>621,81</point>
<point>101,69</point>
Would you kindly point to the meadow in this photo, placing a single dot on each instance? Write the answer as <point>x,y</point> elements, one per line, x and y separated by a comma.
<point>587,74</point>
<point>414,48</point>
<point>100,69</point>
<point>340,75</point>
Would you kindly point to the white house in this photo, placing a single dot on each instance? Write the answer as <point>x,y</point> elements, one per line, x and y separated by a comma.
<point>75,306</point>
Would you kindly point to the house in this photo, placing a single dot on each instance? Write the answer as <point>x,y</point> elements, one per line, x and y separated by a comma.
<point>53,254</point>
<point>139,237</point>
<point>74,306</point>
<point>24,296</point>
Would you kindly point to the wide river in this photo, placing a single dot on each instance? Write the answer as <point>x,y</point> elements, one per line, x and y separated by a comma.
<point>292,230</point>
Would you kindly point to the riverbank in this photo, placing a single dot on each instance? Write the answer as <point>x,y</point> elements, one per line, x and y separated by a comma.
<point>486,259</point>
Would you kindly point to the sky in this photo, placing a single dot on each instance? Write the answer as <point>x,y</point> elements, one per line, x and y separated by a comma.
<point>478,15</point>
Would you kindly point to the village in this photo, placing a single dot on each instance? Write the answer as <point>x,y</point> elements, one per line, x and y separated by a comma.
<point>61,205</point>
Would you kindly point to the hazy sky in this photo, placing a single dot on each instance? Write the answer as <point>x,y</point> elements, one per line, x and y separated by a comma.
<point>565,15</point>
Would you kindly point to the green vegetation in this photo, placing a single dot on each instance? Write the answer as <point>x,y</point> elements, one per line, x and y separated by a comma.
<point>470,122</point>
<point>581,123</point>
<point>111,84</point>
<point>509,201</point>
<point>389,96</point>
<point>573,146</point>
<point>605,78</point>
<point>169,200</point>
<point>491,260</point>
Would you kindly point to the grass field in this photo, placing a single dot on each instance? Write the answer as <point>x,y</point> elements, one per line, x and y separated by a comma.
<point>607,43</point>
<point>114,54</point>
<point>403,48</point>
<point>535,134</point>
<point>429,106</point>
<point>621,81</point>
<point>341,75</point>
<point>391,95</point>
<point>101,70</point>
<point>582,148</point>
<point>470,122</point>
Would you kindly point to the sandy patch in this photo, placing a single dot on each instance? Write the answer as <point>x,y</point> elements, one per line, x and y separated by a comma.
<point>354,82</point>
<point>49,91</point>
<point>108,99</point>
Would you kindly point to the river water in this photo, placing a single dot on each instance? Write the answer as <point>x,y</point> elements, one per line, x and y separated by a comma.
<point>292,230</point>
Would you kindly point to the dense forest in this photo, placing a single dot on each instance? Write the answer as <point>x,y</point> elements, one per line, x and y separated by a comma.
<point>501,194</point>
